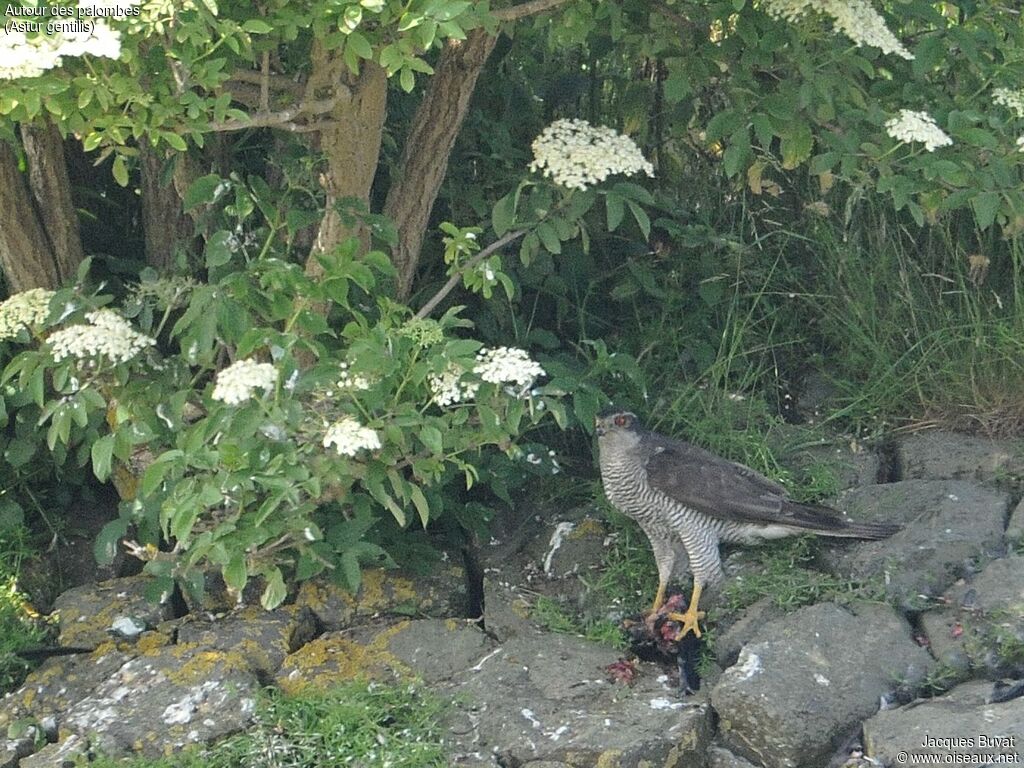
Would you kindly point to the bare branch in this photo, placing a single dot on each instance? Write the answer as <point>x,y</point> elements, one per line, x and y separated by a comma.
<point>531,8</point>
<point>277,82</point>
<point>265,82</point>
<point>286,118</point>
<point>453,281</point>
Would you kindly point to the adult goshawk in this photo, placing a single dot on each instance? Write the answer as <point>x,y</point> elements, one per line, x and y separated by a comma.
<point>682,494</point>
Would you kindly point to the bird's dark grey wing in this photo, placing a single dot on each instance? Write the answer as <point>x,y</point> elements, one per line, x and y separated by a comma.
<point>724,489</point>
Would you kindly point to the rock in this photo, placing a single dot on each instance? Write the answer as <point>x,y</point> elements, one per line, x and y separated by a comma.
<point>12,750</point>
<point>51,690</point>
<point>985,729</point>
<point>72,750</point>
<point>546,698</point>
<point>1015,526</point>
<point>87,614</point>
<point>506,610</point>
<point>160,702</point>
<point>729,640</point>
<point>723,758</point>
<point>441,594</point>
<point>262,637</point>
<point>809,677</point>
<point>938,454</point>
<point>948,525</point>
<point>982,621</point>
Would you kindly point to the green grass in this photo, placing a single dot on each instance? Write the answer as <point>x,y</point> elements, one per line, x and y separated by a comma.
<point>367,725</point>
<point>784,572</point>
<point>20,627</point>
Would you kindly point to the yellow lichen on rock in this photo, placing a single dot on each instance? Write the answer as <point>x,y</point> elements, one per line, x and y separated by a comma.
<point>332,659</point>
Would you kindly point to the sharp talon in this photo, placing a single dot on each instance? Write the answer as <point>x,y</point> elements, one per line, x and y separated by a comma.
<point>688,621</point>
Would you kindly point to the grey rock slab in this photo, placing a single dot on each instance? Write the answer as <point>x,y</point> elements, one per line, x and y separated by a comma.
<point>729,640</point>
<point>981,623</point>
<point>961,725</point>
<point>50,690</point>
<point>807,678</point>
<point>72,750</point>
<point>264,638</point>
<point>719,757</point>
<point>939,454</point>
<point>165,700</point>
<point>88,614</point>
<point>13,750</point>
<point>546,697</point>
<point>440,594</point>
<point>1015,526</point>
<point>948,527</point>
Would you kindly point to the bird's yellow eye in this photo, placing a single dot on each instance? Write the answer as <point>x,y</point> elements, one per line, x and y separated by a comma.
<point>621,421</point>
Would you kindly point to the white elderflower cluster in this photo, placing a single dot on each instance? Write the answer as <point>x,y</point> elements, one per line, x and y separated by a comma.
<point>21,56</point>
<point>856,19</point>
<point>348,382</point>
<point>507,365</point>
<point>1020,143</point>
<point>450,387</point>
<point>26,309</point>
<point>577,155</point>
<point>349,437</point>
<point>107,335</point>
<point>917,126</point>
<point>237,383</point>
<point>1010,98</point>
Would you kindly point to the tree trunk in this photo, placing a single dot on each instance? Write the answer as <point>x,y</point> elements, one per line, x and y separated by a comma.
<point>51,187</point>
<point>350,141</point>
<point>424,162</point>
<point>164,222</point>
<point>26,254</point>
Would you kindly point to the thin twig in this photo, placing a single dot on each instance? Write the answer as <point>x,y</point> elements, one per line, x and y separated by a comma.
<point>265,82</point>
<point>453,281</point>
<point>531,8</point>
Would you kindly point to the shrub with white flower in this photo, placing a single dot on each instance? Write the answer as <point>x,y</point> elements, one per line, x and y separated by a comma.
<point>1010,98</point>
<point>917,126</point>
<point>107,335</point>
<point>451,387</point>
<point>577,155</point>
<point>28,309</point>
<point>856,19</point>
<point>1020,143</point>
<point>349,382</point>
<point>237,383</point>
<point>507,365</point>
<point>21,56</point>
<point>349,437</point>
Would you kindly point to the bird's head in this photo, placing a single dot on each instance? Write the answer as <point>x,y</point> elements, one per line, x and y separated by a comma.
<point>615,421</point>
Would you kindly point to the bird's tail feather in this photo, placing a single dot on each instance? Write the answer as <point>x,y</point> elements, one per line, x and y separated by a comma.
<point>825,521</point>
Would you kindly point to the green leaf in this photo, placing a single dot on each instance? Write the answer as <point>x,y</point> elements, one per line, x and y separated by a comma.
<point>102,453</point>
<point>642,219</point>
<point>796,146</point>
<point>20,451</point>
<point>986,206</point>
<point>235,574</point>
<point>275,591</point>
<point>431,437</point>
<point>360,46</point>
<point>203,190</point>
<point>12,515</point>
<point>549,237</point>
<point>257,27</point>
<point>420,502</point>
<point>407,80</point>
<point>105,547</point>
<point>615,209</point>
<point>120,171</point>
<point>218,249</point>
<point>503,215</point>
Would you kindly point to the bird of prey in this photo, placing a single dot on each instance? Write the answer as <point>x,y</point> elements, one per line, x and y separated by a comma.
<point>683,495</point>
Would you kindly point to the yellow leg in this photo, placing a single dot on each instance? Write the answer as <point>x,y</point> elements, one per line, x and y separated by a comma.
<point>659,599</point>
<point>689,619</point>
